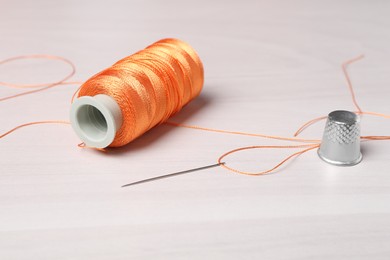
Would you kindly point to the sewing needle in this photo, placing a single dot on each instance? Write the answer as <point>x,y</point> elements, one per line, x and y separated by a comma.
<point>174,174</point>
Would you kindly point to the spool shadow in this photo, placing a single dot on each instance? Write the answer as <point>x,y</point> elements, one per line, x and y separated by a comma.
<point>157,133</point>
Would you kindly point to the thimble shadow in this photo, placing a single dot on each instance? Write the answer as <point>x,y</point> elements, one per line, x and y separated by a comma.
<point>366,149</point>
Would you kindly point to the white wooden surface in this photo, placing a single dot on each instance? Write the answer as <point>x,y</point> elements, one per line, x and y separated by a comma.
<point>270,66</point>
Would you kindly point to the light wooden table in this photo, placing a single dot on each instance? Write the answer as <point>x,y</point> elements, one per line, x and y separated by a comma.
<point>270,66</point>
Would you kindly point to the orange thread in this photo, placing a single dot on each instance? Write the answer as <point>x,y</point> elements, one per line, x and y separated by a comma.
<point>309,123</point>
<point>40,86</point>
<point>292,139</point>
<point>376,114</point>
<point>310,147</point>
<point>349,83</point>
<point>34,123</point>
<point>375,137</point>
<point>149,86</point>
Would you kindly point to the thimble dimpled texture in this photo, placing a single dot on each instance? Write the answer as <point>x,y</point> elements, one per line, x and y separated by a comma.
<point>342,134</point>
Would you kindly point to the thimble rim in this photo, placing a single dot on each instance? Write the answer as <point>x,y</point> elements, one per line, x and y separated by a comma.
<point>343,117</point>
<point>340,163</point>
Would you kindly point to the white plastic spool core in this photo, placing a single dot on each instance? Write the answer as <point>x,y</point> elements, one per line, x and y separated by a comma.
<point>96,119</point>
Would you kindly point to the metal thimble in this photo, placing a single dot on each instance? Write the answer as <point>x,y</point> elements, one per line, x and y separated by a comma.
<point>341,141</point>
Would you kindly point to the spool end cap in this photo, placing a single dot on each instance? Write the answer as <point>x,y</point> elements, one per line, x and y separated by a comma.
<point>96,119</point>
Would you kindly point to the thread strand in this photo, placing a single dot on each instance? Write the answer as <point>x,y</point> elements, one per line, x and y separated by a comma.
<point>34,123</point>
<point>292,139</point>
<point>309,147</point>
<point>40,86</point>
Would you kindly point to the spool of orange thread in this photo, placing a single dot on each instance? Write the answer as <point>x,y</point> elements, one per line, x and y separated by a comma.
<point>122,102</point>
